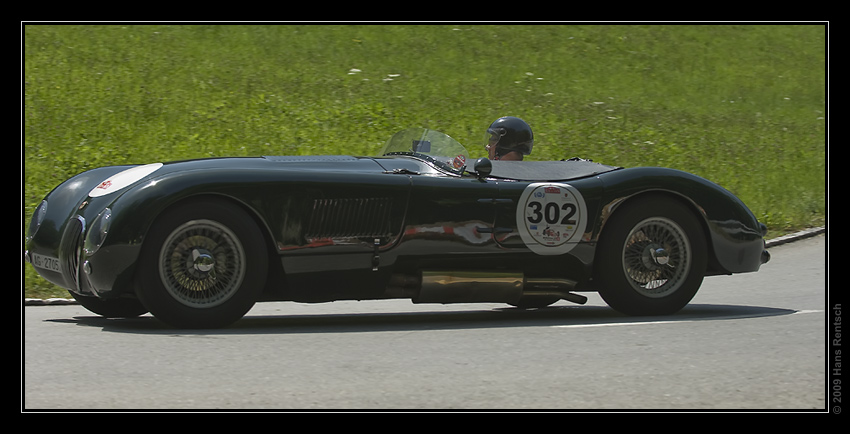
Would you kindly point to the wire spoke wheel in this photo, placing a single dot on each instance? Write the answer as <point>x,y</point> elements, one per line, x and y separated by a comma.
<point>652,257</point>
<point>656,257</point>
<point>202,263</point>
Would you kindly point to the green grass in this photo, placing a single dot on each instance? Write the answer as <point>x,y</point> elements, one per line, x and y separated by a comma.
<point>742,105</point>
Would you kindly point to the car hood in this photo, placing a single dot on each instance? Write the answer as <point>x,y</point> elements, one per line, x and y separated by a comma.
<point>309,162</point>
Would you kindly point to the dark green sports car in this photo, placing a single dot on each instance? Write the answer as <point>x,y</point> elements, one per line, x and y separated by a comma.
<point>197,243</point>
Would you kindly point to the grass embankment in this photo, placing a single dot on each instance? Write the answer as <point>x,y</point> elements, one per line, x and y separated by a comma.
<point>741,105</point>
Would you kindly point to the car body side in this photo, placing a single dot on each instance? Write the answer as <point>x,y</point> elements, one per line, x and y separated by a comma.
<point>346,227</point>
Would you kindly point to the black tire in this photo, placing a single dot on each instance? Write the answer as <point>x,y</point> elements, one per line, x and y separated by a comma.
<point>651,257</point>
<point>111,308</point>
<point>203,265</point>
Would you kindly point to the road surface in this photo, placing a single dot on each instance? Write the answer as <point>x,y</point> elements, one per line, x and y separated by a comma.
<point>752,341</point>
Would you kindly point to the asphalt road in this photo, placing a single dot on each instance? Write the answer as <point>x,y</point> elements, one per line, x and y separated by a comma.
<point>752,341</point>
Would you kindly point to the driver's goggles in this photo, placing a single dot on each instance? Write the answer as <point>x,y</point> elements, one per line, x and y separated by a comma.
<point>495,134</point>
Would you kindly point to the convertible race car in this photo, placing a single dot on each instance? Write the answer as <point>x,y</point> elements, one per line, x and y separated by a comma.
<point>196,243</point>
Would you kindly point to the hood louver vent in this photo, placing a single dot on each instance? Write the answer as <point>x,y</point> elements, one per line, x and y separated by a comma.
<point>350,218</point>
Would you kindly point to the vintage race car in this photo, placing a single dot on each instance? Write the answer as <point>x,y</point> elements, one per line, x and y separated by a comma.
<point>197,243</point>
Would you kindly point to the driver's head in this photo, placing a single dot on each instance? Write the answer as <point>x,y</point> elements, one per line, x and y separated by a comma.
<point>509,138</point>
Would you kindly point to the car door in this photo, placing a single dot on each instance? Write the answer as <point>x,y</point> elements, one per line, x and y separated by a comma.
<point>450,215</point>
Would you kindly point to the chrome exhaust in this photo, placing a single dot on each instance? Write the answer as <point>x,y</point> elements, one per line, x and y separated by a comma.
<point>493,287</point>
<point>553,287</point>
<point>469,287</point>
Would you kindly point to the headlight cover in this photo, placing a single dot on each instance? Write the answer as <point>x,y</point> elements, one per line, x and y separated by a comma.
<point>97,232</point>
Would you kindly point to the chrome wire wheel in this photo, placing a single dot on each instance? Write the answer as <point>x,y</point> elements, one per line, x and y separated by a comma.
<point>202,264</point>
<point>652,258</point>
<point>656,257</point>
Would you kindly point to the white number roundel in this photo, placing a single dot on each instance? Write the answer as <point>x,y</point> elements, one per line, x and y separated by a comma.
<point>123,179</point>
<point>551,217</point>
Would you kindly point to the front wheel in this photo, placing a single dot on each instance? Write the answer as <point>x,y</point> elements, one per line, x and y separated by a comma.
<point>203,265</point>
<point>652,257</point>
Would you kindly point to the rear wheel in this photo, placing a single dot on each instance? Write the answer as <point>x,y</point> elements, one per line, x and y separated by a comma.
<point>652,257</point>
<point>203,265</point>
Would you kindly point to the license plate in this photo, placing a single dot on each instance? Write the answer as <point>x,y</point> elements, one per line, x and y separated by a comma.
<point>45,262</point>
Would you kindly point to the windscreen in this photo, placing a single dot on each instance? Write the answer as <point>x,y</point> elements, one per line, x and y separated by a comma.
<point>430,145</point>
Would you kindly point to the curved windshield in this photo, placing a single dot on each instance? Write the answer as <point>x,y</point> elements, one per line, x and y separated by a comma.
<point>430,145</point>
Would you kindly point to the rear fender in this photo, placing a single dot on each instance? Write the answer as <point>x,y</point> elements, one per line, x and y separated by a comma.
<point>734,235</point>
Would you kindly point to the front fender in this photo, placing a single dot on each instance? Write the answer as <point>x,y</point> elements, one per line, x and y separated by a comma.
<point>134,211</point>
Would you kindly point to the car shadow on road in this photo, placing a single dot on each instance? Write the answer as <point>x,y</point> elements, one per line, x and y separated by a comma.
<point>554,316</point>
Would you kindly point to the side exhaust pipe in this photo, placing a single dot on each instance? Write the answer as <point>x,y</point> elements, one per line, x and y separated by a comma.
<point>488,287</point>
<point>553,288</point>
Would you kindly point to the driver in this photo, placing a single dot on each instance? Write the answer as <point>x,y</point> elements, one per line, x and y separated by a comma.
<point>510,139</point>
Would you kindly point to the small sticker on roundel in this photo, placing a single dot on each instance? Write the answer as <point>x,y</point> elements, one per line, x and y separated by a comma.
<point>551,217</point>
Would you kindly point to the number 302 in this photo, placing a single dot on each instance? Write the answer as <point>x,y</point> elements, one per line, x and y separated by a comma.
<point>552,213</point>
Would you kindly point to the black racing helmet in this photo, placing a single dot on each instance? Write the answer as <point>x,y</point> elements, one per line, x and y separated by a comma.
<point>509,133</point>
